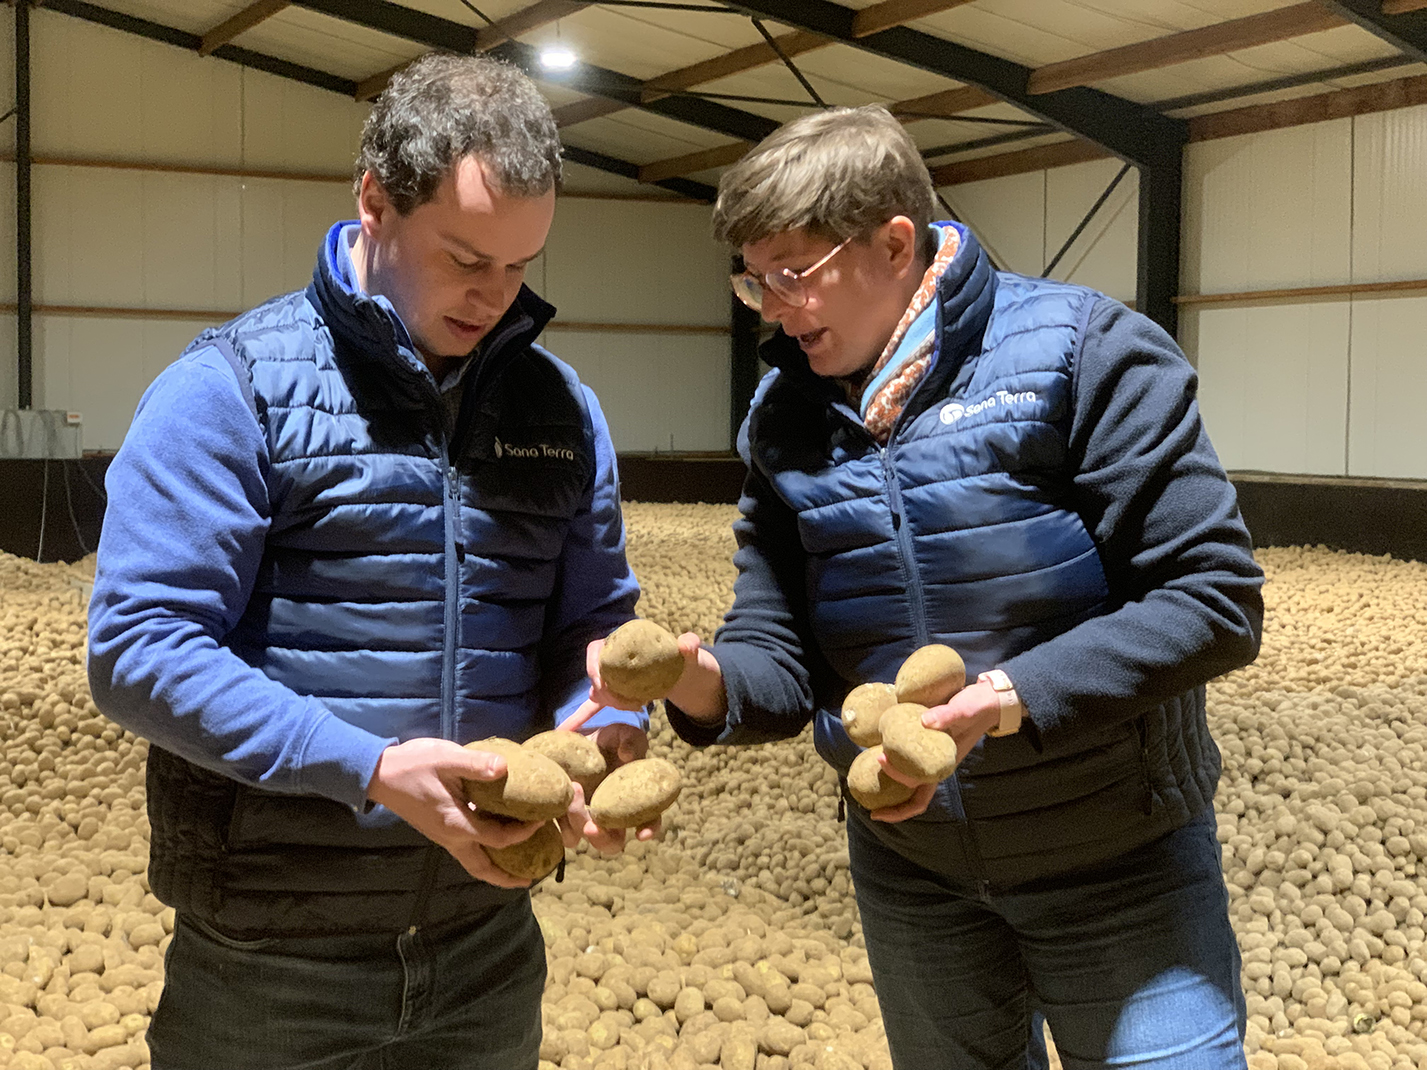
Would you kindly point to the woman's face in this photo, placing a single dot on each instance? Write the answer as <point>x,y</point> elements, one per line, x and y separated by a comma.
<point>854,301</point>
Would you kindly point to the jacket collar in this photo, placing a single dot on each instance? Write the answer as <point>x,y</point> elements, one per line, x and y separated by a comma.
<point>965,294</point>
<point>370,327</point>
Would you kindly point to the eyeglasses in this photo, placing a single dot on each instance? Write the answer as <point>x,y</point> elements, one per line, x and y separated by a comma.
<point>787,285</point>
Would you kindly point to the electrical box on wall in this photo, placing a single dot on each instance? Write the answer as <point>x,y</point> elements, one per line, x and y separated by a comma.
<point>41,433</point>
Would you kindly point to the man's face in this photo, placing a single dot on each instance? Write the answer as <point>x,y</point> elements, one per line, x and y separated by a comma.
<point>452,266</point>
<point>853,301</point>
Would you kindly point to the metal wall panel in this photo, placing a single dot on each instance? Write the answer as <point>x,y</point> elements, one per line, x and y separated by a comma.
<point>1269,210</point>
<point>635,262</point>
<point>1389,334</point>
<point>1105,255</point>
<point>1008,215</point>
<point>1388,435</point>
<point>1273,386</point>
<point>659,392</point>
<point>101,367</point>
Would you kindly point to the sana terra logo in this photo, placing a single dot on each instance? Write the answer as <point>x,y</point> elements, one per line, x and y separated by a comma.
<point>539,450</point>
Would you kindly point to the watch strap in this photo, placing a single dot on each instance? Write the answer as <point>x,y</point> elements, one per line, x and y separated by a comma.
<point>1011,708</point>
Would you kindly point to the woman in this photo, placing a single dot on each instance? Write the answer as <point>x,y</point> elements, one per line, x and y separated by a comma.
<point>1016,468</point>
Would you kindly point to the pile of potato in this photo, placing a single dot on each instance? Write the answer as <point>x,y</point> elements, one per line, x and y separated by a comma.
<point>734,941</point>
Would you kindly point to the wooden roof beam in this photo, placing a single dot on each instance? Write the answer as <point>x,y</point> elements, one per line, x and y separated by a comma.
<point>1402,7</point>
<point>736,62</point>
<point>541,13</point>
<point>1061,154</point>
<point>1339,104</point>
<point>1216,40</point>
<point>242,22</point>
<point>694,162</point>
<point>891,13</point>
<point>946,103</point>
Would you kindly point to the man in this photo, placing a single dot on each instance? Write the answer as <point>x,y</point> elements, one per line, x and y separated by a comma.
<point>350,531</point>
<point>1014,467</point>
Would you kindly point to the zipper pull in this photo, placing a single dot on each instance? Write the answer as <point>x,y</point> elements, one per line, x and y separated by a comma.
<point>453,478</point>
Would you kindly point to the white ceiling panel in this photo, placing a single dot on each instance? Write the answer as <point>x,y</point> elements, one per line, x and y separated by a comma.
<point>198,16</point>
<point>641,137</point>
<point>638,46</point>
<point>1037,32</point>
<point>328,44</point>
<point>1313,52</point>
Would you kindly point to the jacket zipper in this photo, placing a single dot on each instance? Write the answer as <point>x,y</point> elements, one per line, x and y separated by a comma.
<point>917,595</point>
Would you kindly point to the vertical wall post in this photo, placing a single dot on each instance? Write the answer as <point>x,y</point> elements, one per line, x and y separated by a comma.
<point>744,378</point>
<point>24,295</point>
<point>1158,278</point>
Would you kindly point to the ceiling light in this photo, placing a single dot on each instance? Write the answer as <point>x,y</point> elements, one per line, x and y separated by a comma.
<point>557,58</point>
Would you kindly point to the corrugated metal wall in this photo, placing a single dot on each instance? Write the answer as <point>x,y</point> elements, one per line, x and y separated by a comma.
<point>115,238</point>
<point>1327,386</point>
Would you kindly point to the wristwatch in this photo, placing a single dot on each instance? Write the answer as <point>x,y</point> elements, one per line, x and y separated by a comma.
<point>1011,708</point>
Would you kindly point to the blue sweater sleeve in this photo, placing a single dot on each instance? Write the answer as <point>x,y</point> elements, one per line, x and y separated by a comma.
<point>1183,581</point>
<point>182,540</point>
<point>595,589</point>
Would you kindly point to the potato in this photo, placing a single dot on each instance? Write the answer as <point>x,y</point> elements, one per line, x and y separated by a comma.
<point>641,661</point>
<point>531,858</point>
<point>913,749</point>
<point>863,709</point>
<point>577,754</point>
<point>635,794</point>
<point>931,675</point>
<point>533,789</point>
<point>871,786</point>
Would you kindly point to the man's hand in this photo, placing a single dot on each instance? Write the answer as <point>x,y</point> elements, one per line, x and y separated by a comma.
<point>699,692</point>
<point>969,715</point>
<point>420,782</point>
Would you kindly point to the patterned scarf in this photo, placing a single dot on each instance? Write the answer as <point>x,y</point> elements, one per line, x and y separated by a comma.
<point>908,353</point>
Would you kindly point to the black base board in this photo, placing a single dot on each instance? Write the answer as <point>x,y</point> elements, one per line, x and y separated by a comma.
<point>1361,515</point>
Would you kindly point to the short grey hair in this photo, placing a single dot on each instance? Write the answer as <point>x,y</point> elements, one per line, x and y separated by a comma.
<point>445,107</point>
<point>839,173</point>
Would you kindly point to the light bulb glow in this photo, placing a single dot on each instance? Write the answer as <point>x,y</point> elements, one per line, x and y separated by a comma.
<point>557,58</point>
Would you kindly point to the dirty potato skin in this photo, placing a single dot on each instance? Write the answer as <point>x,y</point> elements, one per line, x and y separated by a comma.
<point>913,749</point>
<point>641,661</point>
<point>531,858</point>
<point>577,754</point>
<point>872,787</point>
<point>635,794</point>
<point>534,788</point>
<point>931,675</point>
<point>862,710</point>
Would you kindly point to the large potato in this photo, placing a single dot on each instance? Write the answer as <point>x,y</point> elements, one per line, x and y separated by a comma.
<point>534,788</point>
<point>531,858</point>
<point>635,794</point>
<point>640,661</point>
<point>913,749</point>
<point>577,754</point>
<point>862,710</point>
<point>931,675</point>
<point>871,786</point>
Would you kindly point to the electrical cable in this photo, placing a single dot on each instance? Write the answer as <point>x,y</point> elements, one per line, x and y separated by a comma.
<point>489,21</point>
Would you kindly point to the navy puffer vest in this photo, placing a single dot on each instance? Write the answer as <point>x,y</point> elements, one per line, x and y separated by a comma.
<point>405,584</point>
<point>961,531</point>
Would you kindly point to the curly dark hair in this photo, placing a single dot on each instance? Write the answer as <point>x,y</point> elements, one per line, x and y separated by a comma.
<point>445,107</point>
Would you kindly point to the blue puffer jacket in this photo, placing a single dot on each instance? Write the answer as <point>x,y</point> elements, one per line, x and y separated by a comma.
<point>1047,503</point>
<point>300,567</point>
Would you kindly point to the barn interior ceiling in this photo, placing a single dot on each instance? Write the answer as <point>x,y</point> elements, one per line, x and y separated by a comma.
<point>662,95</point>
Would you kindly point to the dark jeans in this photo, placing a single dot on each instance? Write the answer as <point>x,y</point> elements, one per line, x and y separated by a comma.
<point>1132,963</point>
<point>458,997</point>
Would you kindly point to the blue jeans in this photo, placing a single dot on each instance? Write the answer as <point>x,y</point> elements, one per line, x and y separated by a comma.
<point>457,997</point>
<point>1133,963</point>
